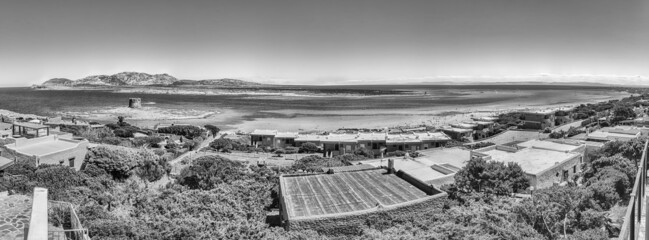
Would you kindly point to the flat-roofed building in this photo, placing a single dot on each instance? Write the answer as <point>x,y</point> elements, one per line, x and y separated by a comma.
<point>403,142</point>
<point>432,139</point>
<point>372,141</point>
<point>545,162</point>
<point>52,149</point>
<point>312,138</point>
<point>458,133</point>
<point>437,167</point>
<point>262,138</point>
<point>339,144</point>
<point>486,119</point>
<point>285,139</point>
<point>340,202</point>
<point>538,119</point>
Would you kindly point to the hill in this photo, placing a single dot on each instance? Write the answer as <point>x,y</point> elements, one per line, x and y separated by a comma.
<point>142,79</point>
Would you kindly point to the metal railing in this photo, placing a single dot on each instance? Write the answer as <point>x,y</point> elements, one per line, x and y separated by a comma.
<point>62,215</point>
<point>633,217</point>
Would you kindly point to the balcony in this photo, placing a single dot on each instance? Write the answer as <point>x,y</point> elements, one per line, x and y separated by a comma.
<point>53,220</point>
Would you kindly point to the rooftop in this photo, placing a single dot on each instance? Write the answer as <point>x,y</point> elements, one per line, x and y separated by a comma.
<point>43,147</point>
<point>550,145</point>
<point>422,167</point>
<point>321,195</point>
<point>30,125</point>
<point>349,168</point>
<point>464,125</point>
<point>309,137</point>
<point>340,138</point>
<point>264,132</point>
<point>547,111</point>
<point>5,162</point>
<point>531,160</point>
<point>286,135</point>
<point>600,135</point>
<point>458,130</point>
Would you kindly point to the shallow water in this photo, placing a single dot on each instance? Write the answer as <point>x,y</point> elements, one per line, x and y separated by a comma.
<point>340,104</point>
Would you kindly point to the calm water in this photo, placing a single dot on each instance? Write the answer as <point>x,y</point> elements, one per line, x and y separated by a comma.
<point>48,103</point>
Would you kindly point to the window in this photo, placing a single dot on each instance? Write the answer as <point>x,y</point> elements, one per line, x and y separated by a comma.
<point>362,145</point>
<point>574,169</point>
<point>71,162</point>
<point>336,147</point>
<point>61,162</point>
<point>375,146</point>
<point>557,174</point>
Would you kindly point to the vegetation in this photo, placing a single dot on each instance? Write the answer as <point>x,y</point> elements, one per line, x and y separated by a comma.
<point>213,129</point>
<point>309,147</point>
<point>491,177</point>
<point>187,131</point>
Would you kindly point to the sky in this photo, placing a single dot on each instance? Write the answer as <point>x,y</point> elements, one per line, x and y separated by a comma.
<point>323,42</point>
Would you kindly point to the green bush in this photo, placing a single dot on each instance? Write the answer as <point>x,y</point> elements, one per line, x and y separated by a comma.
<point>187,131</point>
<point>309,147</point>
<point>122,162</point>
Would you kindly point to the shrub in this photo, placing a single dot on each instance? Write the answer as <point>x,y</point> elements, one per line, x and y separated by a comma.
<point>316,163</point>
<point>309,147</point>
<point>208,171</point>
<point>364,152</point>
<point>120,162</point>
<point>291,150</point>
<point>187,131</point>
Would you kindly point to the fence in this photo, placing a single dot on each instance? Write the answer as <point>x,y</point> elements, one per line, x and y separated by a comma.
<point>62,215</point>
<point>633,217</point>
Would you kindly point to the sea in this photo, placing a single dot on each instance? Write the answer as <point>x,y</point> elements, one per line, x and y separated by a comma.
<point>292,102</point>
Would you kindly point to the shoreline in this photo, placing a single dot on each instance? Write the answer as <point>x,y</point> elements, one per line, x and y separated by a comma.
<point>328,119</point>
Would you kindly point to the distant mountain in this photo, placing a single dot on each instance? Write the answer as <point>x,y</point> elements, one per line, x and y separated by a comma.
<point>142,79</point>
<point>225,82</point>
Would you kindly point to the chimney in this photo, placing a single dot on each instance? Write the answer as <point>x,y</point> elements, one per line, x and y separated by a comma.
<point>390,166</point>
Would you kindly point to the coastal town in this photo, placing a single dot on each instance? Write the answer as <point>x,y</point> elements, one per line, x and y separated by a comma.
<point>324,120</point>
<point>328,182</point>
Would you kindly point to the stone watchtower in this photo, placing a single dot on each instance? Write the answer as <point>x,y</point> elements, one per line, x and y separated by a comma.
<point>134,102</point>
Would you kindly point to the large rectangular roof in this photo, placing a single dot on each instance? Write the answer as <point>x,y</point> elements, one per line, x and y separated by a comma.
<point>550,145</point>
<point>531,160</point>
<point>347,192</point>
<point>43,148</point>
<point>349,138</point>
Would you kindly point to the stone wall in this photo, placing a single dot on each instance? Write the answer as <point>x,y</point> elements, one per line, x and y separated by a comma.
<point>353,223</point>
<point>555,174</point>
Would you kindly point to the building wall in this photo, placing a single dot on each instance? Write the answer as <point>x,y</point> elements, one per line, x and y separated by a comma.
<point>538,121</point>
<point>76,155</point>
<point>352,224</point>
<point>343,148</point>
<point>555,174</point>
<point>284,142</point>
<point>262,140</point>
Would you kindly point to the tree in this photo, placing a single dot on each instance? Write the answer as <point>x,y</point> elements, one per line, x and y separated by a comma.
<point>491,177</point>
<point>559,211</point>
<point>213,129</point>
<point>622,112</point>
